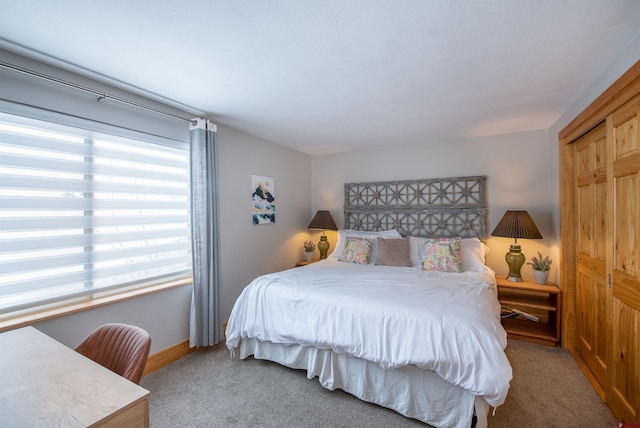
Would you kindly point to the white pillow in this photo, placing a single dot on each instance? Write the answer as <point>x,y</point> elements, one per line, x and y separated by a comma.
<point>473,253</point>
<point>343,233</point>
<point>415,250</point>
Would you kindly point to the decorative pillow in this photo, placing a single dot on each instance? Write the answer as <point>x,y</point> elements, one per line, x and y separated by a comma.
<point>393,252</point>
<point>442,255</point>
<point>356,250</point>
<point>473,254</point>
<point>342,234</point>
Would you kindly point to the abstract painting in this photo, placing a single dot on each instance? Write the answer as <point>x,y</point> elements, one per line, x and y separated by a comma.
<point>264,200</point>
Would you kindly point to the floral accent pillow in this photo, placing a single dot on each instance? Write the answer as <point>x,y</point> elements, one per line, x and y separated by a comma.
<point>442,255</point>
<point>356,250</point>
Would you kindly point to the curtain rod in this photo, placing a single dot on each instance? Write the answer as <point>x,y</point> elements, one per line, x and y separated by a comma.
<point>100,95</point>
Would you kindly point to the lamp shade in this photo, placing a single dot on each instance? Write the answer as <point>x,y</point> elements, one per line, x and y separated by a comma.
<point>323,220</point>
<point>517,224</point>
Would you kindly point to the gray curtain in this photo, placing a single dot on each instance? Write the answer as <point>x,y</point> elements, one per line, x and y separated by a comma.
<point>205,326</point>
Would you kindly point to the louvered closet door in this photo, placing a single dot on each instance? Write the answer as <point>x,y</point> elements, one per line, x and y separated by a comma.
<point>623,374</point>
<point>591,290</point>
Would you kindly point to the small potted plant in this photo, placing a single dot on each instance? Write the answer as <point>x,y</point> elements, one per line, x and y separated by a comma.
<point>541,268</point>
<point>309,247</point>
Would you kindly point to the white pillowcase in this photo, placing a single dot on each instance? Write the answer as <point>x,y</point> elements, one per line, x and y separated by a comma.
<point>473,253</point>
<point>343,233</point>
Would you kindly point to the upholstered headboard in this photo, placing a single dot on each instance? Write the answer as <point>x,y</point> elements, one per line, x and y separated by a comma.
<point>438,207</point>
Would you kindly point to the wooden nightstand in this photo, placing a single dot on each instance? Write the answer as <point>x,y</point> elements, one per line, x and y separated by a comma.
<point>543,301</point>
<point>304,262</point>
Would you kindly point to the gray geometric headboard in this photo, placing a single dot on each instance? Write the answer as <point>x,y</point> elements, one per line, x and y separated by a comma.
<point>438,207</point>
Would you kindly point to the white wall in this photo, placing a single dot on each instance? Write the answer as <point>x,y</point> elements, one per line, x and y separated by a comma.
<point>39,93</point>
<point>250,250</point>
<point>165,315</point>
<point>517,167</point>
<point>247,250</point>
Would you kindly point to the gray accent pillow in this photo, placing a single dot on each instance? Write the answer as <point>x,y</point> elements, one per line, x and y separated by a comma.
<point>394,252</point>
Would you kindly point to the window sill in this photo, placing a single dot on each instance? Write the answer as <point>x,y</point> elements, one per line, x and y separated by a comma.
<point>26,319</point>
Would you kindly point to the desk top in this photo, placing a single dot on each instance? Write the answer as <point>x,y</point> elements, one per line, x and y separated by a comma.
<point>44,383</point>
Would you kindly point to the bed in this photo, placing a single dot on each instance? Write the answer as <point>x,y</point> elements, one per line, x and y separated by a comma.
<point>403,313</point>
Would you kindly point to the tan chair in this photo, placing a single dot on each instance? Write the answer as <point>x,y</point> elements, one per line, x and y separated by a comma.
<point>121,348</point>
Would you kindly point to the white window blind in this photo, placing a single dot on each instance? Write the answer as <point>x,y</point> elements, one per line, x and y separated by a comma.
<point>83,213</point>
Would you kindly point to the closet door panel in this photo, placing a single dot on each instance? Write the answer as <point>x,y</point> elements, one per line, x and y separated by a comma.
<point>585,208</point>
<point>625,170</point>
<point>624,396</point>
<point>591,232</point>
<point>592,341</point>
<point>600,225</point>
<point>626,239</point>
<point>623,375</point>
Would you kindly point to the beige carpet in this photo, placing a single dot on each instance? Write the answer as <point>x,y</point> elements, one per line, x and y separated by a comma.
<point>210,389</point>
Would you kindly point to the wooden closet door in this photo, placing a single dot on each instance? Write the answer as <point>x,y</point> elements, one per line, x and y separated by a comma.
<point>623,371</point>
<point>591,289</point>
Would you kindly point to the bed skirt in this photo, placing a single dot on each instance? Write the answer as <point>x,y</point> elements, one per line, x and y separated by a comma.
<point>410,391</point>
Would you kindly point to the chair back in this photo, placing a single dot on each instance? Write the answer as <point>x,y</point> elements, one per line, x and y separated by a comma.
<point>121,348</point>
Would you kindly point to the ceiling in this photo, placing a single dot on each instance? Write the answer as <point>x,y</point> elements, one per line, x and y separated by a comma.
<point>325,76</point>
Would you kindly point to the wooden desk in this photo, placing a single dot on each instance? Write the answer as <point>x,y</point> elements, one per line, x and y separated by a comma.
<point>44,383</point>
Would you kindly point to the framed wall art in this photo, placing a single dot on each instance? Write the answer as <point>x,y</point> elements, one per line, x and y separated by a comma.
<point>264,200</point>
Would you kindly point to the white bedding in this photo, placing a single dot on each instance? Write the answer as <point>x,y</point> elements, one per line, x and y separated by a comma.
<point>413,392</point>
<point>445,322</point>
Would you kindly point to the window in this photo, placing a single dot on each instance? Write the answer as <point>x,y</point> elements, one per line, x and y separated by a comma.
<point>83,213</point>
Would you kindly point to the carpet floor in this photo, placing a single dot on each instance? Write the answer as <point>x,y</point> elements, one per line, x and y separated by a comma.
<point>210,389</point>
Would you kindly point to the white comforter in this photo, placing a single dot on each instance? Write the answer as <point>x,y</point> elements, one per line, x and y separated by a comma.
<point>445,322</point>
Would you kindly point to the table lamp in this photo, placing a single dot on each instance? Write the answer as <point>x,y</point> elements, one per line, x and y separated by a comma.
<point>516,224</point>
<point>323,220</point>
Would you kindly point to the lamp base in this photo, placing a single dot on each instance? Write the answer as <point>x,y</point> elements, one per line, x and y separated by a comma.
<point>323,247</point>
<point>515,260</point>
